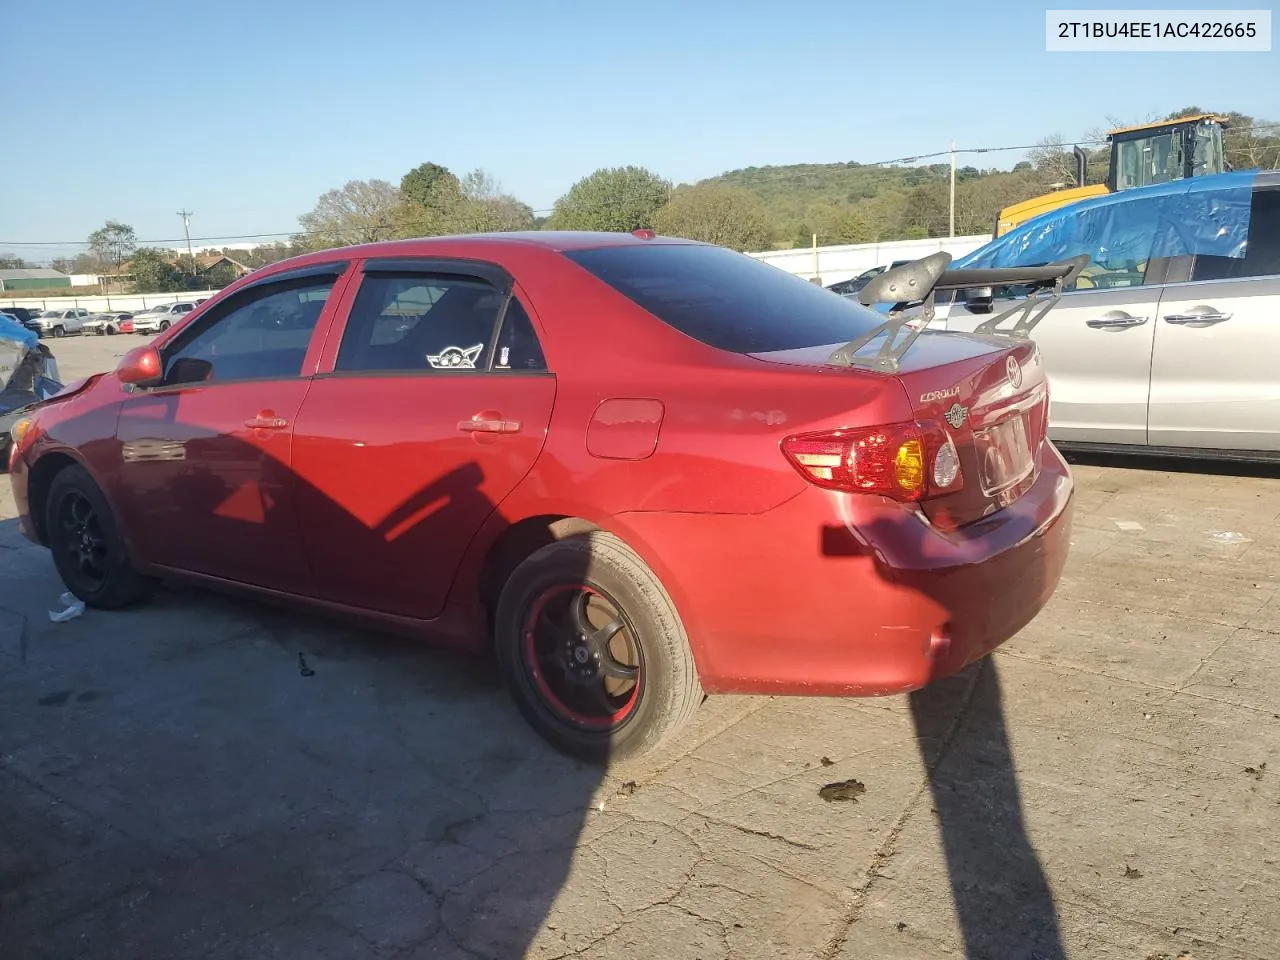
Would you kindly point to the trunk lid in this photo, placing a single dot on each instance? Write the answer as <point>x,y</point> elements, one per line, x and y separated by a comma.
<point>989,394</point>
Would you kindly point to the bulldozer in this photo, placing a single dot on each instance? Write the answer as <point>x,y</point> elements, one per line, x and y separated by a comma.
<point>1160,152</point>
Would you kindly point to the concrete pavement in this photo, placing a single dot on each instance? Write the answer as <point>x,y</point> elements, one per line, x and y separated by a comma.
<point>208,778</point>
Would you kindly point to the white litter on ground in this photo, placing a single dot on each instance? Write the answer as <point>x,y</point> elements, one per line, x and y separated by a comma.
<point>71,608</point>
<point>1228,536</point>
<point>1129,525</point>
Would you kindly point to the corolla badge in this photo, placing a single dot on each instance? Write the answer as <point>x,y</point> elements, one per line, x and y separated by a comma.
<point>957,415</point>
<point>1014,371</point>
<point>933,395</point>
<point>455,358</point>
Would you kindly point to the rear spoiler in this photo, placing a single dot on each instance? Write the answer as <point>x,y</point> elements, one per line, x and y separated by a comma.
<point>917,283</point>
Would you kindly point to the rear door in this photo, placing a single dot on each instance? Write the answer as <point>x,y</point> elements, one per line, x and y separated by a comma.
<point>1214,379</point>
<point>1096,344</point>
<point>435,404</point>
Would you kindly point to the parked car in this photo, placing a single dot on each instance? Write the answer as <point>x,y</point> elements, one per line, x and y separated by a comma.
<point>106,323</point>
<point>1168,342</point>
<point>26,316</point>
<point>848,288</point>
<point>28,375</point>
<point>635,468</point>
<point>159,319</point>
<point>126,326</point>
<point>58,323</point>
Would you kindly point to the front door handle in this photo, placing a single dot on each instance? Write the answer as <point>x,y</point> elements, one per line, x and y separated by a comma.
<point>1208,316</point>
<point>266,420</point>
<point>480,424</point>
<point>1122,320</point>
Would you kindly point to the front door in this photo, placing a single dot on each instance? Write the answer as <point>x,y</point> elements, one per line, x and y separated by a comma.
<point>205,457</point>
<point>424,424</point>
<point>1096,345</point>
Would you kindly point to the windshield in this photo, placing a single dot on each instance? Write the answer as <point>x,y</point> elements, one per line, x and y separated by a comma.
<point>727,300</point>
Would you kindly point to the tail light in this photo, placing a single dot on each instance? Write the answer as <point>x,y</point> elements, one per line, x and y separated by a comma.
<point>908,461</point>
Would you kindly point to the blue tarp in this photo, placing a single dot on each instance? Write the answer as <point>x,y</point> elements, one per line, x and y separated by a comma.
<point>1204,216</point>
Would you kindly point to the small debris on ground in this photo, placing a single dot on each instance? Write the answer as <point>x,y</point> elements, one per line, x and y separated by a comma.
<point>1256,772</point>
<point>900,926</point>
<point>1228,536</point>
<point>627,789</point>
<point>1132,874</point>
<point>827,761</point>
<point>843,790</point>
<point>72,607</point>
<point>303,668</point>
<point>1128,525</point>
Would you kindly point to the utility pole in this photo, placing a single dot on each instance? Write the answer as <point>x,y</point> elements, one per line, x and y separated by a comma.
<point>953,188</point>
<point>186,228</point>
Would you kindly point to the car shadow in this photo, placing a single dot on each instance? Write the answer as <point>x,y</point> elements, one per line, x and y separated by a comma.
<point>1221,468</point>
<point>1003,903</point>
<point>244,779</point>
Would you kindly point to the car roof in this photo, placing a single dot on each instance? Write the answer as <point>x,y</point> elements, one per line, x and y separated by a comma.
<point>474,245</point>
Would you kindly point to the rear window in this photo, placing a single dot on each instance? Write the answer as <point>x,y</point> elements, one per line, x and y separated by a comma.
<point>727,300</point>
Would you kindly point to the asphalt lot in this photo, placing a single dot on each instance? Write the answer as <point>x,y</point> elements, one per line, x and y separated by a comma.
<point>173,783</point>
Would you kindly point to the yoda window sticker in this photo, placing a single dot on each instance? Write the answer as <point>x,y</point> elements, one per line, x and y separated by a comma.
<point>455,358</point>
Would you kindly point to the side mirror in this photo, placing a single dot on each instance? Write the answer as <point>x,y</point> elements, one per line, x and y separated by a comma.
<point>979,299</point>
<point>141,367</point>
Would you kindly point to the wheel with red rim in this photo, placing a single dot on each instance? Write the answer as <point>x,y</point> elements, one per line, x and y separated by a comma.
<point>593,650</point>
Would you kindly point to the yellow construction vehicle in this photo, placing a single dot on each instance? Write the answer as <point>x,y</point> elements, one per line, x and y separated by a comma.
<point>1189,146</point>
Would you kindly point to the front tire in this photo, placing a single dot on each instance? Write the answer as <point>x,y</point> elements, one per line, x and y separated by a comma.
<point>164,325</point>
<point>59,332</point>
<point>593,651</point>
<point>88,550</point>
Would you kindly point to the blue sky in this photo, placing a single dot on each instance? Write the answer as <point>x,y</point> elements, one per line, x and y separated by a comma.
<point>246,113</point>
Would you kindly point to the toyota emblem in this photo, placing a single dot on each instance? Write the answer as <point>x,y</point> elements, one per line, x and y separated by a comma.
<point>1014,372</point>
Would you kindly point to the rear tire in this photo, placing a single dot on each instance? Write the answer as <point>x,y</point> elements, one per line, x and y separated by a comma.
<point>573,687</point>
<point>88,550</point>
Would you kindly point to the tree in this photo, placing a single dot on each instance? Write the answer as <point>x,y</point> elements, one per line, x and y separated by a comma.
<point>620,199</point>
<point>63,265</point>
<point>837,223</point>
<point>113,242</point>
<point>11,261</point>
<point>361,212</point>
<point>728,216</point>
<point>419,184</point>
<point>153,273</point>
<point>1051,157</point>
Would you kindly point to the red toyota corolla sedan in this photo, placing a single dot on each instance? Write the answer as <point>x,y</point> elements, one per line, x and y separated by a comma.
<point>632,466</point>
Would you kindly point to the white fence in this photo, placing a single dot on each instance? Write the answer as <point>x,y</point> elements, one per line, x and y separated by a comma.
<point>107,302</point>
<point>833,264</point>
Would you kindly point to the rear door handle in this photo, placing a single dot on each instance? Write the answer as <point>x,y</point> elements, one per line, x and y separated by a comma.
<point>1209,316</point>
<point>1099,323</point>
<point>482,425</point>
<point>265,421</point>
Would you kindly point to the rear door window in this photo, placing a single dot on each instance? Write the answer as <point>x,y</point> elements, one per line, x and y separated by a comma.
<point>1262,248</point>
<point>419,323</point>
<point>727,300</point>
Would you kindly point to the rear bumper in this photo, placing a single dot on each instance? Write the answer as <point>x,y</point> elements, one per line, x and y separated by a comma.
<point>834,594</point>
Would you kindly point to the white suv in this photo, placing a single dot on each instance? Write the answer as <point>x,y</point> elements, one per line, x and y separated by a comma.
<point>58,323</point>
<point>156,319</point>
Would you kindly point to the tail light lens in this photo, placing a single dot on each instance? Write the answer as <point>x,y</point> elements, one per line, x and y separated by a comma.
<point>907,461</point>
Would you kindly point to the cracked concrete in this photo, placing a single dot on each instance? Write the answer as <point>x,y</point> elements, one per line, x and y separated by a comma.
<point>171,784</point>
